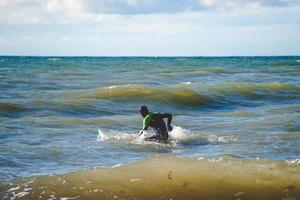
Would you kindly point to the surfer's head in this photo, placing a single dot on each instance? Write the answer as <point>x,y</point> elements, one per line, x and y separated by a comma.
<point>144,111</point>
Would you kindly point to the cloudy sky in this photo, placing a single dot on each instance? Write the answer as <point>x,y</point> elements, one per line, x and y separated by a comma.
<point>149,27</point>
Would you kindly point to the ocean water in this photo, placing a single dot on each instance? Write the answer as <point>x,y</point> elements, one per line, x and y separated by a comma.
<point>69,126</point>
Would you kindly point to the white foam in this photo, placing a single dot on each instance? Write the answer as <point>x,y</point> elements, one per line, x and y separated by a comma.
<point>112,86</point>
<point>101,136</point>
<point>222,139</point>
<point>215,159</point>
<point>114,135</point>
<point>187,83</point>
<point>27,189</point>
<point>239,194</point>
<point>54,59</point>
<point>67,198</point>
<point>179,134</point>
<point>13,189</point>
<point>135,179</point>
<point>293,162</point>
<point>141,137</point>
<point>184,136</point>
<point>19,195</point>
<point>117,165</point>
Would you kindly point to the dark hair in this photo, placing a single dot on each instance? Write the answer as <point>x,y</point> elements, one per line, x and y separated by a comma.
<point>144,111</point>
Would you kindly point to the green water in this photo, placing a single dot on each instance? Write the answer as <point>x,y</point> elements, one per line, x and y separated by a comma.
<point>242,108</point>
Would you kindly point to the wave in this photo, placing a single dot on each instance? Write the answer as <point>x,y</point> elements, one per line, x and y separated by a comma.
<point>11,107</point>
<point>183,96</point>
<point>202,95</point>
<point>178,136</point>
<point>53,59</point>
<point>164,177</point>
<point>173,95</point>
<point>257,90</point>
<point>188,95</point>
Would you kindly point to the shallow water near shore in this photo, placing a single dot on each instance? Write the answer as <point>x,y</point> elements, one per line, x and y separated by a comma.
<point>236,127</point>
<point>169,178</point>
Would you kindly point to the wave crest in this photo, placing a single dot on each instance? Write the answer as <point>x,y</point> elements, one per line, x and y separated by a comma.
<point>178,136</point>
<point>259,90</point>
<point>191,95</point>
<point>175,95</point>
<point>11,107</point>
<point>165,177</point>
<point>182,96</point>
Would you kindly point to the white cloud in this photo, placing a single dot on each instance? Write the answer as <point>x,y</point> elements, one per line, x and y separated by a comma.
<point>64,5</point>
<point>54,5</point>
<point>72,11</point>
<point>149,27</point>
<point>176,6</point>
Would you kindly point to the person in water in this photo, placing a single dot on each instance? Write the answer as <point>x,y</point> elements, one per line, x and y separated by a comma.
<point>156,121</point>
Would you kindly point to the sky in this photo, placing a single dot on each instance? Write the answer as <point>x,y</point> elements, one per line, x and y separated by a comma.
<point>150,27</point>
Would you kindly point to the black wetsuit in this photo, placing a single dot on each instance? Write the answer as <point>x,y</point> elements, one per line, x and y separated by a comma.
<point>155,120</point>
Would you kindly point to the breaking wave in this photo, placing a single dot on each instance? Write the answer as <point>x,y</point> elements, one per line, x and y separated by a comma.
<point>86,100</point>
<point>259,90</point>
<point>138,92</point>
<point>186,96</point>
<point>178,136</point>
<point>165,177</point>
<point>11,107</point>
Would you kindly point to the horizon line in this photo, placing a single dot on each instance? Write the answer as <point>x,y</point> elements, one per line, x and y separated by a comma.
<point>152,56</point>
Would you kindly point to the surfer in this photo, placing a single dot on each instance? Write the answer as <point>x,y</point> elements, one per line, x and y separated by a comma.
<point>156,121</point>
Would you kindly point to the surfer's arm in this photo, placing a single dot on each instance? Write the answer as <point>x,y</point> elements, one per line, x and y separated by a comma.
<point>146,122</point>
<point>169,117</point>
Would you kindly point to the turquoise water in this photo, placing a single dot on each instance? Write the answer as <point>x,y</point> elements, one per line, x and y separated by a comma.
<point>52,107</point>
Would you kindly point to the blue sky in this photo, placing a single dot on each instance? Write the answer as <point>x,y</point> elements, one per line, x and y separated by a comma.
<point>149,27</point>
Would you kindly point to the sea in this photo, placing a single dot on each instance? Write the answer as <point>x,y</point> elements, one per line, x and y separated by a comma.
<point>69,128</point>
